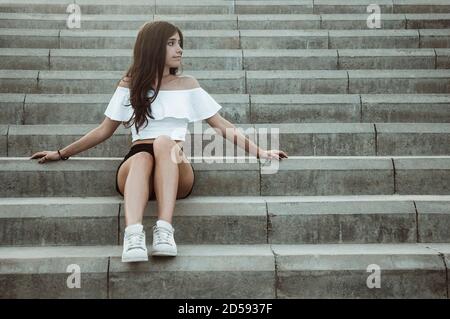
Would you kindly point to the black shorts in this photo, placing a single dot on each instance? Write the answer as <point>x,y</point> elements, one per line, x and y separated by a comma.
<point>144,147</point>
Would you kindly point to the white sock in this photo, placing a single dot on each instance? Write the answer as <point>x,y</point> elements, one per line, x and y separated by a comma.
<point>163,223</point>
<point>135,228</point>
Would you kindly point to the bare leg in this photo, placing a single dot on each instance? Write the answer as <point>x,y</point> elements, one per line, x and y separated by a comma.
<point>137,187</point>
<point>166,178</point>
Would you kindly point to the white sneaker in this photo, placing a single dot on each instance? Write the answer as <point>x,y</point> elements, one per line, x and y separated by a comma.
<point>134,247</point>
<point>163,241</point>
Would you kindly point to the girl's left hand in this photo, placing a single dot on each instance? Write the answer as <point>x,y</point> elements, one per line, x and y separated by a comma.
<point>272,154</point>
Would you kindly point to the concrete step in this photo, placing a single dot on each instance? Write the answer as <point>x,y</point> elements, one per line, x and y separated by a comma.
<point>404,108</point>
<point>365,39</point>
<point>61,221</point>
<point>134,21</point>
<point>347,271</point>
<point>390,59</point>
<point>231,39</point>
<point>224,7</point>
<point>296,139</point>
<point>398,81</point>
<point>443,58</point>
<point>227,21</point>
<point>248,59</point>
<point>101,221</point>
<point>32,109</point>
<point>386,6</point>
<point>297,175</point>
<point>123,7</point>
<point>401,138</point>
<point>229,271</point>
<point>388,21</point>
<point>351,81</point>
<point>232,82</point>
<point>426,21</point>
<point>344,108</point>
<point>89,108</point>
<point>199,271</point>
<point>358,219</point>
<point>420,6</point>
<point>359,139</point>
<point>438,38</point>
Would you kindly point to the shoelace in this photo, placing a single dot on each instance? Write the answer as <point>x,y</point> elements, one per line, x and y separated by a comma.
<point>162,235</point>
<point>135,240</point>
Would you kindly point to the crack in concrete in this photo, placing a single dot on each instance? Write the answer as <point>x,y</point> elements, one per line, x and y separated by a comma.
<point>348,83</point>
<point>376,139</point>
<point>328,40</point>
<point>7,140</point>
<point>59,39</point>
<point>338,62</point>
<point>314,144</point>
<point>239,41</point>
<point>320,20</point>
<point>417,223</point>
<point>277,279</point>
<point>418,31</point>
<point>269,231</point>
<point>442,255</point>
<point>394,175</point>
<point>22,118</point>
<point>435,59</point>
<point>446,273</point>
<point>360,109</point>
<point>268,224</point>
<point>107,279</point>
<point>37,81</point>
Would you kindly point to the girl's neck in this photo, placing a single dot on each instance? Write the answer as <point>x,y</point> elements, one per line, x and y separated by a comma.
<point>166,79</point>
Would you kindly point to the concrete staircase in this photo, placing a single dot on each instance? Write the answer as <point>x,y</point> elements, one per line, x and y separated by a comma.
<point>364,115</point>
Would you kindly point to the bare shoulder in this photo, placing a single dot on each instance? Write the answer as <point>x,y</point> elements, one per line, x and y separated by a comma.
<point>188,82</point>
<point>125,82</point>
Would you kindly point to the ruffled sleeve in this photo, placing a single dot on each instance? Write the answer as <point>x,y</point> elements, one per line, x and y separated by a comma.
<point>193,105</point>
<point>202,105</point>
<point>119,107</point>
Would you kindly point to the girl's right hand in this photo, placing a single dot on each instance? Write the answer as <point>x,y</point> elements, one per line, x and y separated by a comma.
<point>46,156</point>
<point>272,154</point>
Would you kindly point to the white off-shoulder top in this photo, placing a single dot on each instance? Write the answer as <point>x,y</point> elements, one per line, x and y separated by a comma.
<point>172,110</point>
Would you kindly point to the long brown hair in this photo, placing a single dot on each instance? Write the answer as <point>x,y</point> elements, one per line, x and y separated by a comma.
<point>149,57</point>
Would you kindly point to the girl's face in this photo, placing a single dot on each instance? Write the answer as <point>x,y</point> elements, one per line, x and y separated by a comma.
<point>174,51</point>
